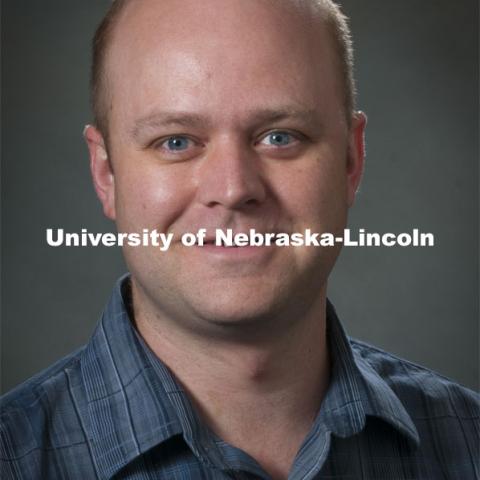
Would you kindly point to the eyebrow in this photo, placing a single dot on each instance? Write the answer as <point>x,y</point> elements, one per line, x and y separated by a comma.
<point>283,113</point>
<point>165,119</point>
<point>187,119</point>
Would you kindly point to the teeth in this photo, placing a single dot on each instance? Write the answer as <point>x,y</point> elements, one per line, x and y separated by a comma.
<point>222,245</point>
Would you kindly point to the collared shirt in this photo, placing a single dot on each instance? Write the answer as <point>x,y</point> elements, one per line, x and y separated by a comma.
<point>114,410</point>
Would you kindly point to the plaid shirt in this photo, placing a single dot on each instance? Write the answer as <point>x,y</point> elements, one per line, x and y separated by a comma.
<point>113,410</point>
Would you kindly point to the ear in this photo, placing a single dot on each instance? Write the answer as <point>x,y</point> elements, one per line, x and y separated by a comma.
<point>101,169</point>
<point>356,155</point>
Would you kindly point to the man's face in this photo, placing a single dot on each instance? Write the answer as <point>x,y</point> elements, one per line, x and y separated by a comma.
<point>227,114</point>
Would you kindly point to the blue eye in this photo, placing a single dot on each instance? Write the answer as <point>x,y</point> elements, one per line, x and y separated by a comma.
<point>278,139</point>
<point>176,144</point>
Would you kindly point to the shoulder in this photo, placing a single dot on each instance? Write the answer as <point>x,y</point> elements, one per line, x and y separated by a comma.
<point>423,392</point>
<point>41,413</point>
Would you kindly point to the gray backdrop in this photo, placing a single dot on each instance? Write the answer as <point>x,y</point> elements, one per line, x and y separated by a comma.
<point>417,72</point>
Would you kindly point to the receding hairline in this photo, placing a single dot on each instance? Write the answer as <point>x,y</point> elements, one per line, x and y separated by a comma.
<point>325,11</point>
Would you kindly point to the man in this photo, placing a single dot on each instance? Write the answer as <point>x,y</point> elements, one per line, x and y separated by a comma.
<point>216,362</point>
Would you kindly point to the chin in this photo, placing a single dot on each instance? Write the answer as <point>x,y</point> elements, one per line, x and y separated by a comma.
<point>250,309</point>
<point>233,306</point>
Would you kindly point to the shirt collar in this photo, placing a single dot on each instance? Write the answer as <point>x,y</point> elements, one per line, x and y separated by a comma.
<point>357,391</point>
<point>128,410</point>
<point>134,402</point>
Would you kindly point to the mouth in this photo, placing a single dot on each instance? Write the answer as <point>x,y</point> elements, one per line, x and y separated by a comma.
<point>221,252</point>
<point>221,244</point>
<point>240,239</point>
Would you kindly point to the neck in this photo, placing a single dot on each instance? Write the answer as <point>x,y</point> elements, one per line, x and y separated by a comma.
<point>284,378</point>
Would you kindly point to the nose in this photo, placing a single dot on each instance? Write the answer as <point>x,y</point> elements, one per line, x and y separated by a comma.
<point>231,175</point>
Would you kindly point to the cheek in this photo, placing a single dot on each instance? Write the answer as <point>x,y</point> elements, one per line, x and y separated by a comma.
<point>314,193</point>
<point>150,198</point>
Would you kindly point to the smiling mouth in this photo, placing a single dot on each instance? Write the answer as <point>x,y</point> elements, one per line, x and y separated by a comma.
<point>236,252</point>
<point>223,245</point>
<point>241,239</point>
<point>217,249</point>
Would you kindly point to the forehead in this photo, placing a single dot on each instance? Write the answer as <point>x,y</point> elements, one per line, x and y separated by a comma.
<point>186,51</point>
<point>178,19</point>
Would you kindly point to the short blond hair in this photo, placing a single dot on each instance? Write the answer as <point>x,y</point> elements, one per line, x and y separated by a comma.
<point>336,21</point>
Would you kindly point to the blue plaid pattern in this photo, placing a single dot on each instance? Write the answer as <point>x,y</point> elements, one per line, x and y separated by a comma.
<point>113,410</point>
